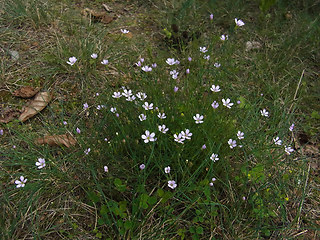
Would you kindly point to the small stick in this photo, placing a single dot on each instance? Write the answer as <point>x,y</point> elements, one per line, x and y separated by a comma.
<point>295,95</point>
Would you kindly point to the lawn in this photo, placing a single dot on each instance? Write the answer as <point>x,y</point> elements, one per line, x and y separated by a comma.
<point>171,119</point>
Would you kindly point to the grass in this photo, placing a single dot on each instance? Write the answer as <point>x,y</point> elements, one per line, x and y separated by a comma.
<point>260,192</point>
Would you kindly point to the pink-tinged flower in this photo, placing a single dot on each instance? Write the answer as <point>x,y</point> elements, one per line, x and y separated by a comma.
<point>227,103</point>
<point>203,49</point>
<point>127,93</point>
<point>214,157</point>
<point>167,169</point>
<point>142,117</point>
<point>187,71</point>
<point>207,57</point>
<point>105,61</point>
<point>41,163</point>
<point>177,62</point>
<point>138,64</point>
<point>264,113</point>
<point>94,55</point>
<point>146,68</point>
<point>174,72</point>
<point>238,102</point>
<point>64,123</point>
<point>175,76</point>
<point>162,115</point>
<point>106,139</point>
<point>78,130</point>
<point>172,184</point>
<point>211,184</point>
<point>14,146</point>
<point>87,151</point>
<point>148,137</point>
<point>217,65</point>
<point>116,95</point>
<point>72,60</point>
<point>163,128</point>
<point>213,179</point>
<point>113,110</point>
<point>211,16</point>
<point>106,169</point>
<point>124,31</point>
<point>215,88</point>
<point>189,59</point>
<point>203,147</point>
<point>141,60</point>
<point>291,127</point>
<point>224,37</point>
<point>178,138</point>
<point>243,198</point>
<point>147,106</point>
<point>142,166</point>
<point>131,98</point>
<point>232,143</point>
<point>98,107</point>
<point>175,89</point>
<point>142,96</point>
<point>21,183</point>
<point>1,132</point>
<point>215,104</point>
<point>198,118</point>
<point>171,61</point>
<point>117,115</point>
<point>85,106</point>
<point>277,141</point>
<point>238,22</point>
<point>154,65</point>
<point>288,150</point>
<point>186,134</point>
<point>240,135</point>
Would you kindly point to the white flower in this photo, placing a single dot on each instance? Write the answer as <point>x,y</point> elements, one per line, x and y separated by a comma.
<point>173,72</point>
<point>224,37</point>
<point>41,163</point>
<point>167,169</point>
<point>207,57</point>
<point>148,137</point>
<point>227,103</point>
<point>124,31</point>
<point>98,107</point>
<point>113,110</point>
<point>162,115</point>
<point>116,95</point>
<point>147,106</point>
<point>240,135</point>
<point>217,65</point>
<point>72,60</point>
<point>215,105</point>
<point>21,182</point>
<point>154,65</point>
<point>94,55</point>
<point>177,62</point>
<point>238,22</point>
<point>232,143</point>
<point>288,150</point>
<point>85,106</point>
<point>215,88</point>
<point>203,49</point>
<point>214,157</point>
<point>142,166</point>
<point>187,134</point>
<point>104,61</point>
<point>142,117</point>
<point>106,169</point>
<point>264,113</point>
<point>127,93</point>
<point>163,128</point>
<point>87,151</point>
<point>172,184</point>
<point>141,95</point>
<point>277,141</point>
<point>147,69</point>
<point>179,138</point>
<point>291,127</point>
<point>198,118</point>
<point>131,98</point>
<point>171,61</point>
<point>175,76</point>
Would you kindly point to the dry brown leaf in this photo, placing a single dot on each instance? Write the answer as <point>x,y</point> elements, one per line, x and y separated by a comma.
<point>39,102</point>
<point>8,115</point>
<point>57,140</point>
<point>26,92</point>
<point>98,16</point>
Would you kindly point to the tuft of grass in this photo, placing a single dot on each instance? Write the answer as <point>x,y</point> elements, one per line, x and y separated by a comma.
<point>255,190</point>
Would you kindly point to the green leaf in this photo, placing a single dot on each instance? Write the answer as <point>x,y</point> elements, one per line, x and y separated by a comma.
<point>93,196</point>
<point>160,192</point>
<point>128,225</point>
<point>152,200</point>
<point>199,230</point>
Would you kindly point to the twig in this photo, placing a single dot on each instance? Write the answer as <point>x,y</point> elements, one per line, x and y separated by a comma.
<point>295,95</point>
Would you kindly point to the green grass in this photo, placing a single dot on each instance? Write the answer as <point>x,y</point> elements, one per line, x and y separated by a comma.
<point>260,192</point>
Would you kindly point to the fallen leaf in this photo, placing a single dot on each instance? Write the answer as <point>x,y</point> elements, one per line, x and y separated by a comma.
<point>39,102</point>
<point>98,16</point>
<point>8,115</point>
<point>252,45</point>
<point>57,140</point>
<point>26,92</point>
<point>14,55</point>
